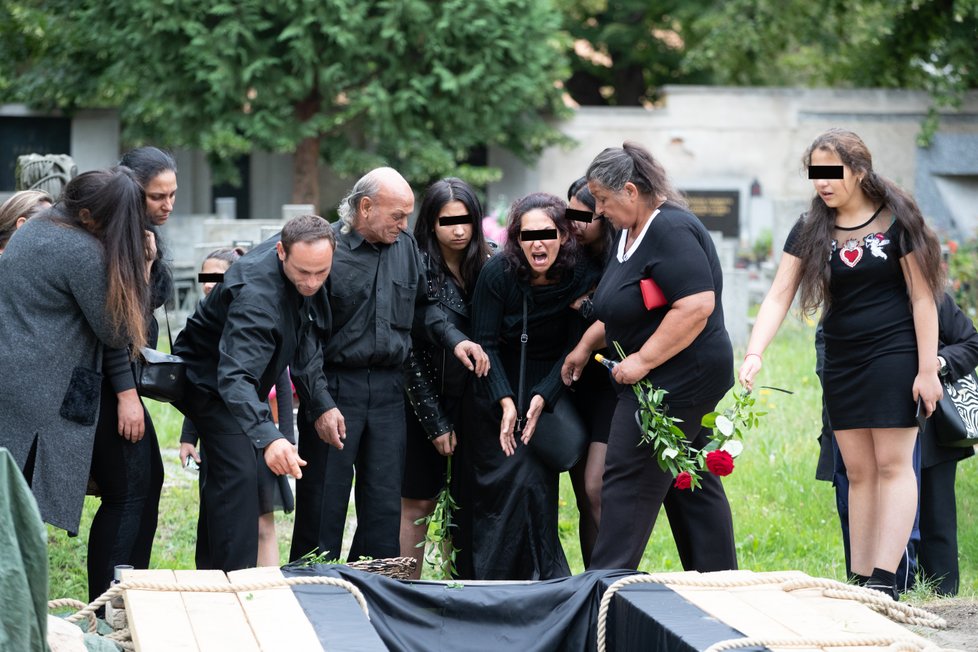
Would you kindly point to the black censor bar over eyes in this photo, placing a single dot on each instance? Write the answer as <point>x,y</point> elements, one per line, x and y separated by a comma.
<point>539,234</point>
<point>452,220</point>
<point>824,171</point>
<point>215,277</point>
<point>579,216</point>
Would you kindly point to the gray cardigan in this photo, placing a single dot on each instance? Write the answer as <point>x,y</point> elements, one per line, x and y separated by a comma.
<point>53,321</point>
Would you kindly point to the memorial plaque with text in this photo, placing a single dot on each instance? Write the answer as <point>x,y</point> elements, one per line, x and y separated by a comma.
<point>719,210</point>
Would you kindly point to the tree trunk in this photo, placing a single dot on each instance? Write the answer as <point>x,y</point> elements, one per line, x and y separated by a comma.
<point>305,173</point>
<point>305,165</point>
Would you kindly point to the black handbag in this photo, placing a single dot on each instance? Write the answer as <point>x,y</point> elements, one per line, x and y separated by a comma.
<point>160,376</point>
<point>560,438</point>
<point>956,416</point>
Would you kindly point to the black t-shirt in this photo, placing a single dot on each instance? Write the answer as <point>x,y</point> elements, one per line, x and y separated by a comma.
<point>869,308</point>
<point>678,254</point>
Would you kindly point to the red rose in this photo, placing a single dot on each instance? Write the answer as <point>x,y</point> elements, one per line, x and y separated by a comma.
<point>683,480</point>
<point>719,462</point>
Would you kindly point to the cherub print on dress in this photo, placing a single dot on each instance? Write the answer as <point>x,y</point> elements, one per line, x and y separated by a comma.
<point>875,242</point>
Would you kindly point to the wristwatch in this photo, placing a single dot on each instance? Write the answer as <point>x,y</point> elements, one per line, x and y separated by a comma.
<point>942,369</point>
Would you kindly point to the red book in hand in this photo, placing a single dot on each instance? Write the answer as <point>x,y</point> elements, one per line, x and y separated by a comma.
<point>651,294</point>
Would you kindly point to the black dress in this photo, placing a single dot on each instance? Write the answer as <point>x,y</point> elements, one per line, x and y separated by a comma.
<point>870,341</point>
<point>514,499</point>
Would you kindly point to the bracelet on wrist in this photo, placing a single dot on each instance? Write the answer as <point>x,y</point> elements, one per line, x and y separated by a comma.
<point>758,355</point>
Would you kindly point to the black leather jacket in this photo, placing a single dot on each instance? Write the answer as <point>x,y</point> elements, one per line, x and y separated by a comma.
<point>431,371</point>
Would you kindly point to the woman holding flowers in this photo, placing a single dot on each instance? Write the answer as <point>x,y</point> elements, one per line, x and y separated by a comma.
<point>675,339</point>
<point>864,255</point>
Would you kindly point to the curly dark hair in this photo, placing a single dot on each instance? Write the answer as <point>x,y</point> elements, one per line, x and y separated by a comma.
<point>569,254</point>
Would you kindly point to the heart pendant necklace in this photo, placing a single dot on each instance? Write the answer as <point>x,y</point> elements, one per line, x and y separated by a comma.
<point>851,252</point>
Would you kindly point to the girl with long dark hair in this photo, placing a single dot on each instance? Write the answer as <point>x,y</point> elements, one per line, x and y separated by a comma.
<point>126,465</point>
<point>864,255</point>
<point>449,233</point>
<point>73,282</point>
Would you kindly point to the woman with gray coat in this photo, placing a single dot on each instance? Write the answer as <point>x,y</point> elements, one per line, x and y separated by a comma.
<point>72,282</point>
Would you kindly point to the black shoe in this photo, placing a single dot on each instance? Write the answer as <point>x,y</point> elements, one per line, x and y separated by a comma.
<point>888,590</point>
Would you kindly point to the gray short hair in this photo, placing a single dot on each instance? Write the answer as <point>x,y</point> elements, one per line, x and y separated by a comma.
<point>367,186</point>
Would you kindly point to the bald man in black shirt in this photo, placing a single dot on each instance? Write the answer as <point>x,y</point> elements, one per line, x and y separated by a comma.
<point>378,298</point>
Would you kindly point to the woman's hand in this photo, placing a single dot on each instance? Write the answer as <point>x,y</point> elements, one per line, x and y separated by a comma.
<point>188,450</point>
<point>574,364</point>
<point>445,444</point>
<point>630,370</point>
<point>927,386</point>
<point>748,370</point>
<point>532,416</point>
<point>150,251</point>
<point>506,439</point>
<point>131,422</point>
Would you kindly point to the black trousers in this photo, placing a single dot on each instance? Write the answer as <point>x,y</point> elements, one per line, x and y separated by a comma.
<point>938,554</point>
<point>130,478</point>
<point>372,403</point>
<point>635,487</point>
<point>227,526</point>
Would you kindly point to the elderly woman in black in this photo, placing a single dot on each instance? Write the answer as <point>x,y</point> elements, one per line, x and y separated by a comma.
<point>681,346</point>
<point>514,501</point>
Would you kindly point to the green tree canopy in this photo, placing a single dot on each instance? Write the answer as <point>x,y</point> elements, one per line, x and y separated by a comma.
<point>623,51</point>
<point>411,83</point>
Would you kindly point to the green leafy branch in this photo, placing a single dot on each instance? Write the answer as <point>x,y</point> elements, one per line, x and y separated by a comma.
<point>440,551</point>
<point>732,423</point>
<point>669,446</point>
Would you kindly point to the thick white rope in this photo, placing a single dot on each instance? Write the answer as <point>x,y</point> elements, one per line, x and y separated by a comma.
<point>875,600</point>
<point>89,610</point>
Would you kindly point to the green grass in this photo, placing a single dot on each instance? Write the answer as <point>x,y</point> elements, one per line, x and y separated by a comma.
<point>783,517</point>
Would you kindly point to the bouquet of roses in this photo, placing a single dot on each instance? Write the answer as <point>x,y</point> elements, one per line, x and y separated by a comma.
<point>669,446</point>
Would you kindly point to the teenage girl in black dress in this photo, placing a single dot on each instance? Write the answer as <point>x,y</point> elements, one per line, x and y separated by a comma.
<point>449,234</point>
<point>864,255</point>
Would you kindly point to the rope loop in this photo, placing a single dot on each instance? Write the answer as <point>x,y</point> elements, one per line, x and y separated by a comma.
<point>896,611</point>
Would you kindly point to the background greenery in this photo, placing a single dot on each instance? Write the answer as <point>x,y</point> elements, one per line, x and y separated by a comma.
<point>783,517</point>
<point>428,85</point>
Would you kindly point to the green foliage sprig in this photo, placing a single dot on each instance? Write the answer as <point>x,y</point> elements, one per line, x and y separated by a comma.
<point>670,448</point>
<point>440,551</point>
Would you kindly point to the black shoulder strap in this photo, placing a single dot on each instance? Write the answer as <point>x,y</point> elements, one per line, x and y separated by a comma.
<point>520,397</point>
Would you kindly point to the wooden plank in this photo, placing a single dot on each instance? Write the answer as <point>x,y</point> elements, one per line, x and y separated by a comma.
<point>157,619</point>
<point>767,612</point>
<point>276,618</point>
<point>728,607</point>
<point>217,619</point>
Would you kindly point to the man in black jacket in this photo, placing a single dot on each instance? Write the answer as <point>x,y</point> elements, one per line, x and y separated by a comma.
<point>269,313</point>
<point>378,298</point>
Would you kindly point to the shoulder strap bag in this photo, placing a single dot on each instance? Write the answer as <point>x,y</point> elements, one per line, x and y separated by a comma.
<point>560,438</point>
<point>160,376</point>
<point>956,417</point>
